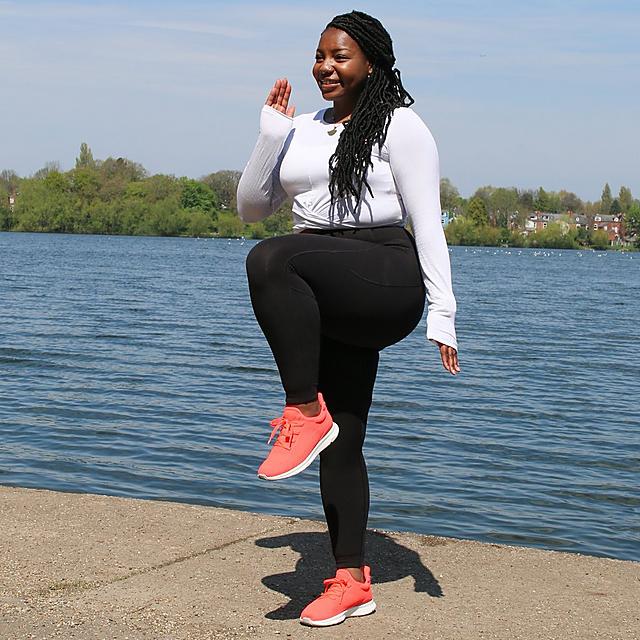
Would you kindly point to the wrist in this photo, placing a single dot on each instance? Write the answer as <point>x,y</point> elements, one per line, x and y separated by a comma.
<point>274,124</point>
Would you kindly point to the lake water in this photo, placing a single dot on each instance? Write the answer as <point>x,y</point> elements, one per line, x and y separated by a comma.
<point>134,367</point>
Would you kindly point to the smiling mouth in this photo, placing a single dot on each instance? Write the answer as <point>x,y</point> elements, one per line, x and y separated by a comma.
<point>329,83</point>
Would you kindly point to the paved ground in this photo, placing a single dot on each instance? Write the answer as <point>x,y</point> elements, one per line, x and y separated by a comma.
<point>89,567</point>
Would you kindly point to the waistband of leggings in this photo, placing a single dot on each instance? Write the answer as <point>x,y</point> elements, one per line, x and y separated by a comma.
<point>371,234</point>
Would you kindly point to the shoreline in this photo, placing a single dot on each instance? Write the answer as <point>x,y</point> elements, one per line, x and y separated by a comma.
<point>84,566</point>
<point>629,248</point>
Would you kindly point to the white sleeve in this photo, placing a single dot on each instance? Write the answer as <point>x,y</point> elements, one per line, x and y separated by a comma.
<point>413,157</point>
<point>259,190</point>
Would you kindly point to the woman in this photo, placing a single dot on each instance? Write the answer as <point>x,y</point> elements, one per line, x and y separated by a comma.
<point>350,280</point>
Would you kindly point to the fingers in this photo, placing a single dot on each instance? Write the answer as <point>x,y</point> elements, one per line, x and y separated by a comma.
<point>449,358</point>
<point>271,98</point>
<point>279,95</point>
<point>284,96</point>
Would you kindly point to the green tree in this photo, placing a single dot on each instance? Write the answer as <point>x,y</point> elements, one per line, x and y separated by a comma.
<point>225,185</point>
<point>280,223</point>
<point>106,217</point>
<point>632,222</point>
<point>526,201</point>
<point>583,236</point>
<point>616,209</point>
<point>46,205</point>
<point>449,196</point>
<point>625,198</point>
<point>197,195</point>
<point>85,159</point>
<point>154,189</point>
<point>6,218</point>
<point>8,186</point>
<point>464,231</point>
<point>503,204</point>
<point>230,226</point>
<point>257,231</point>
<point>600,240</point>
<point>199,224</point>
<point>115,175</point>
<point>606,200</point>
<point>477,211</point>
<point>591,210</point>
<point>85,184</point>
<point>123,168</point>
<point>484,194</point>
<point>541,201</point>
<point>461,231</point>
<point>9,181</point>
<point>548,201</point>
<point>569,201</point>
<point>4,196</point>
<point>555,236</point>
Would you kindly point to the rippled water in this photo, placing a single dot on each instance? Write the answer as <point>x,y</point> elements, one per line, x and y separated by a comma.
<point>134,367</point>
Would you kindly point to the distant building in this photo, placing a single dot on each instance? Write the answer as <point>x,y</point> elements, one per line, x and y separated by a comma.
<point>446,218</point>
<point>613,225</point>
<point>540,220</point>
<point>12,200</point>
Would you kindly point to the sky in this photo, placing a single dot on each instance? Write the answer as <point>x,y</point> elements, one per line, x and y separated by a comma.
<point>543,93</point>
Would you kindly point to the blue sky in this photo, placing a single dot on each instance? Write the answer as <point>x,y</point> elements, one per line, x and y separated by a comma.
<point>517,94</point>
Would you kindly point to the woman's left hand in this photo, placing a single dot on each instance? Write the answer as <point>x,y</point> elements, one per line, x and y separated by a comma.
<point>449,358</point>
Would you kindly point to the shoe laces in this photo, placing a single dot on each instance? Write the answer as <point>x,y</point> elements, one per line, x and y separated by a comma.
<point>285,431</point>
<point>334,588</point>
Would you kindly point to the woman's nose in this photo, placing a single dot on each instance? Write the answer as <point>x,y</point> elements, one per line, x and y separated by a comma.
<point>326,67</point>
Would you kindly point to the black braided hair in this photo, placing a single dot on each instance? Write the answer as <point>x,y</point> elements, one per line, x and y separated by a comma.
<point>382,93</point>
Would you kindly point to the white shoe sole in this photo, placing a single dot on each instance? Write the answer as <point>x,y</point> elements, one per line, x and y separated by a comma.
<point>323,443</point>
<point>361,610</point>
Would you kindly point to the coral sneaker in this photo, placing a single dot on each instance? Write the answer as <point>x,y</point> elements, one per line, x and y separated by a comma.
<point>300,439</point>
<point>343,597</point>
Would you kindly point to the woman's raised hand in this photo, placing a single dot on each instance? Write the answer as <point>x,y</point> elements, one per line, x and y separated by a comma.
<point>278,97</point>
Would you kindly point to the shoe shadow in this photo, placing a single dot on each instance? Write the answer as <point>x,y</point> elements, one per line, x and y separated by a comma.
<point>389,561</point>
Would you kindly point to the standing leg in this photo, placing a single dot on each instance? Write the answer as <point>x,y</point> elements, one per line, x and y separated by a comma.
<point>347,377</point>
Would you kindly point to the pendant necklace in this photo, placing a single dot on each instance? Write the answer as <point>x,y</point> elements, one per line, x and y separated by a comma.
<point>332,132</point>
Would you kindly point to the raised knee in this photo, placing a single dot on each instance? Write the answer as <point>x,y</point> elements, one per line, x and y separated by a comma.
<point>266,258</point>
<point>257,260</point>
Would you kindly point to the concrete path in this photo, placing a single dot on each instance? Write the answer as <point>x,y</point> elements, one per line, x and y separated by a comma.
<point>92,567</point>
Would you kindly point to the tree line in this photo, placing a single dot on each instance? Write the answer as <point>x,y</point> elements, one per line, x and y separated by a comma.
<point>118,196</point>
<point>497,216</point>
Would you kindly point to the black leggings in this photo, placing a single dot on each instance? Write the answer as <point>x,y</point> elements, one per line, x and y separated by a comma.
<point>328,303</point>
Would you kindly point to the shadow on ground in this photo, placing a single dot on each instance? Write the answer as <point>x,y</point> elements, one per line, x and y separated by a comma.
<point>389,562</point>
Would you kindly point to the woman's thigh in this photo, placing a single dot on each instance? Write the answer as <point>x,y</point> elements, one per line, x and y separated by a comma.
<point>369,294</point>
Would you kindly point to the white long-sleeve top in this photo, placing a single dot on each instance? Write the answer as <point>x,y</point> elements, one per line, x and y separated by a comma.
<point>291,158</point>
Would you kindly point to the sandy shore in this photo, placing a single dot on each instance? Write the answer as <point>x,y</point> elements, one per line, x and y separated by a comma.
<point>84,566</point>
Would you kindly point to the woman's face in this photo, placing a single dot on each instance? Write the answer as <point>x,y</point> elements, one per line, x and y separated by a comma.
<point>341,68</point>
